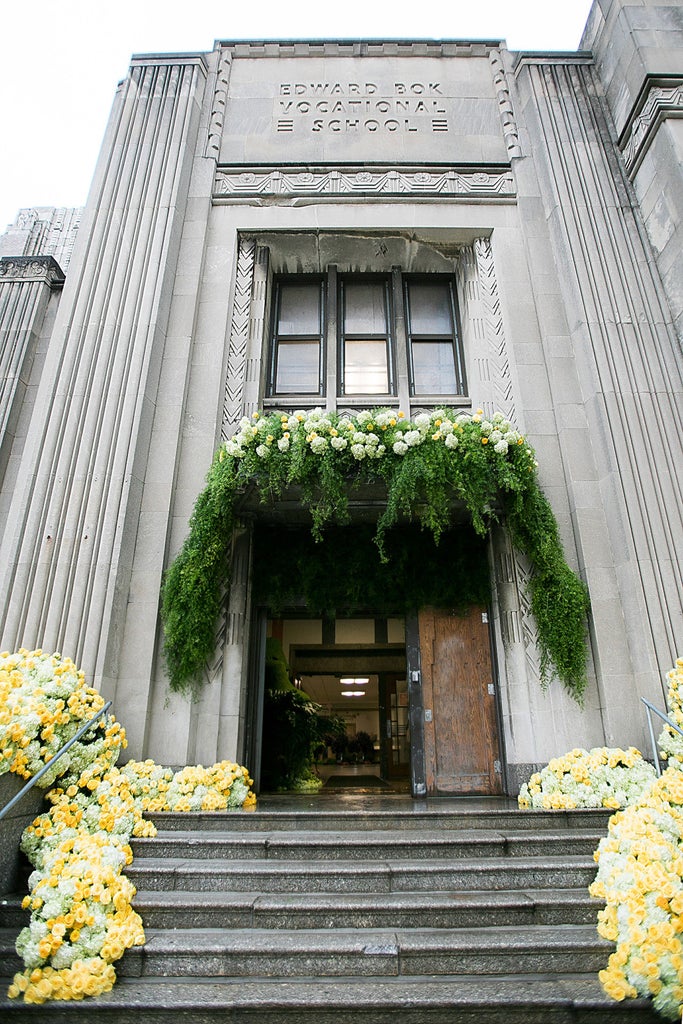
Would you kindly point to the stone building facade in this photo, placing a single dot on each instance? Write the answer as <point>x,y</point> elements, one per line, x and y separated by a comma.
<point>542,194</point>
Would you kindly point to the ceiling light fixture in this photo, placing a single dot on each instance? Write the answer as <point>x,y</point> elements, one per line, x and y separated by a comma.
<point>355,680</point>
<point>353,693</point>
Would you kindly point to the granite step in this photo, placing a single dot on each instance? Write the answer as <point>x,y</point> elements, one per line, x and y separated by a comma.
<point>440,814</point>
<point>366,845</point>
<point>474,917</point>
<point>568,998</point>
<point>485,873</point>
<point>340,952</point>
<point>365,910</point>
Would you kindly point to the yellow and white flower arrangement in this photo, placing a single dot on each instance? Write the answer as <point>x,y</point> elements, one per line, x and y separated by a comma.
<point>43,703</point>
<point>640,869</point>
<point>82,919</point>
<point>671,742</point>
<point>601,777</point>
<point>222,787</point>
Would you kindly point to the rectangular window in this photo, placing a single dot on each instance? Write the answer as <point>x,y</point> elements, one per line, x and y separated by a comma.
<point>395,335</point>
<point>435,359</point>
<point>365,337</point>
<point>297,364</point>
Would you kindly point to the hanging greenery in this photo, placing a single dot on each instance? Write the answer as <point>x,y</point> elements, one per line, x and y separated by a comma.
<point>425,465</point>
<point>290,568</point>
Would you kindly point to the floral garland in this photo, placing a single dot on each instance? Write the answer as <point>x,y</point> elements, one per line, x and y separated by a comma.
<point>671,742</point>
<point>640,876</point>
<point>601,777</point>
<point>82,919</point>
<point>424,465</point>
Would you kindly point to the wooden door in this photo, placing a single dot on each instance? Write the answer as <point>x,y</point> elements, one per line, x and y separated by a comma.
<point>462,754</point>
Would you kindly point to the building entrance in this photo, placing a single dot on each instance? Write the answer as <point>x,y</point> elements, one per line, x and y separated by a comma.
<point>414,689</point>
<point>357,674</point>
<point>411,702</point>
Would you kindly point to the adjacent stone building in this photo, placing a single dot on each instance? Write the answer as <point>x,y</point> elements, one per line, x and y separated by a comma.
<point>348,224</point>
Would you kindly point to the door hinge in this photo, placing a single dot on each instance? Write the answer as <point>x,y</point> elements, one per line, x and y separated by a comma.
<point>484,616</point>
<point>491,689</point>
<point>497,767</point>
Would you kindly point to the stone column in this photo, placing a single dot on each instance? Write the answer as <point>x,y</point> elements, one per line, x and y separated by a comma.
<point>616,383</point>
<point>66,557</point>
<point>26,285</point>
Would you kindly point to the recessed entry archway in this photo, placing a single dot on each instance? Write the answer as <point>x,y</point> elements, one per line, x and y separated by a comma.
<point>407,663</point>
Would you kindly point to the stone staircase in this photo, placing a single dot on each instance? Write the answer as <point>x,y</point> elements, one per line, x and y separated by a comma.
<point>341,910</point>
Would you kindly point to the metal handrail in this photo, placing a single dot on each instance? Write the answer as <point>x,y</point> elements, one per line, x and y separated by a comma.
<point>665,718</point>
<point>46,767</point>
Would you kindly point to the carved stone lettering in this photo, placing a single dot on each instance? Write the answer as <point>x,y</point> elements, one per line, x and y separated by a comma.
<point>360,107</point>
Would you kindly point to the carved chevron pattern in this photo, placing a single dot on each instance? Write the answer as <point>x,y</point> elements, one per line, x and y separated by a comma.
<point>232,622</point>
<point>499,363</point>
<point>239,336</point>
<point>529,631</point>
<point>482,301</point>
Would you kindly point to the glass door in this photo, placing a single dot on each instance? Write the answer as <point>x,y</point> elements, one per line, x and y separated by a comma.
<point>397,726</point>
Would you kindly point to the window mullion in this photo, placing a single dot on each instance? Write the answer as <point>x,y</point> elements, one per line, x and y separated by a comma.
<point>400,339</point>
<point>330,358</point>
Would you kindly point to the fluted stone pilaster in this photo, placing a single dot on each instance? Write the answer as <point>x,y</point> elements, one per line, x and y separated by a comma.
<point>26,285</point>
<point>67,551</point>
<point>627,508</point>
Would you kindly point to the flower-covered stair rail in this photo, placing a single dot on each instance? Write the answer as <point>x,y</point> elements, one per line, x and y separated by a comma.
<point>82,918</point>
<point>425,465</point>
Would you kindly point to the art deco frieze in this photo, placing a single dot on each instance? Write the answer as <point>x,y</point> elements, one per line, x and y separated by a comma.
<point>661,101</point>
<point>233,183</point>
<point>31,268</point>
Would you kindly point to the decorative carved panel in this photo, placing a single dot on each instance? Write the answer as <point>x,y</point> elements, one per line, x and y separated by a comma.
<point>233,183</point>
<point>239,336</point>
<point>661,102</point>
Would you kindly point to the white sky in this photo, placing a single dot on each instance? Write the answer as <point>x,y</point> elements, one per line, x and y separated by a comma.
<point>61,61</point>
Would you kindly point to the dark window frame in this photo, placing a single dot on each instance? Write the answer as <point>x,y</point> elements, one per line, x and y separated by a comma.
<point>278,339</point>
<point>397,308</point>
<point>388,337</point>
<point>453,338</point>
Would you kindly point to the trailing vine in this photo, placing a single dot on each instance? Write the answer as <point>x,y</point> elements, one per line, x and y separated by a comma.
<point>290,567</point>
<point>425,465</point>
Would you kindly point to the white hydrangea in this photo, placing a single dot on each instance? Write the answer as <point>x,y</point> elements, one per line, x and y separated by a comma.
<point>451,441</point>
<point>358,451</point>
<point>400,447</point>
<point>283,444</point>
<point>339,443</point>
<point>501,447</point>
<point>263,451</point>
<point>423,421</point>
<point>412,438</point>
<point>318,444</point>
